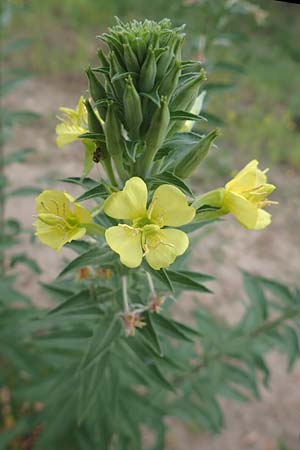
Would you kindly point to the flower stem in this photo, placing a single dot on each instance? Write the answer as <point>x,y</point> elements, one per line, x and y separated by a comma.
<point>125,295</point>
<point>110,172</point>
<point>2,204</point>
<point>151,284</point>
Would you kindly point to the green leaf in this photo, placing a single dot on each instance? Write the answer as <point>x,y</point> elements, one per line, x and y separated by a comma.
<point>160,275</point>
<point>170,178</point>
<point>18,156</point>
<point>219,86</point>
<point>87,182</point>
<point>93,136</point>
<point>101,340</point>
<point>179,143</point>
<point>10,85</point>
<point>22,258</point>
<point>170,327</point>
<point>149,333</point>
<point>96,255</point>
<point>195,226</point>
<point>292,345</point>
<point>183,115</point>
<point>278,289</point>
<point>213,119</point>
<point>84,300</point>
<point>24,192</point>
<point>230,67</point>
<point>182,280</point>
<point>256,295</point>
<point>99,191</point>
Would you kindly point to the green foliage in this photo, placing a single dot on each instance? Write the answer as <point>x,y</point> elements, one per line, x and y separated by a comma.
<point>92,374</point>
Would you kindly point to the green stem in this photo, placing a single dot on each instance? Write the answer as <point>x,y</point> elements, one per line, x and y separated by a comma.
<point>2,206</point>
<point>120,167</point>
<point>110,171</point>
<point>125,295</point>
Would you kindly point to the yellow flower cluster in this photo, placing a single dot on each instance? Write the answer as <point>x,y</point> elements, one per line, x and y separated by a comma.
<point>148,230</point>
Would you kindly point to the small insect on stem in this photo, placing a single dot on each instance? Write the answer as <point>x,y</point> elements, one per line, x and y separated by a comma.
<point>97,156</point>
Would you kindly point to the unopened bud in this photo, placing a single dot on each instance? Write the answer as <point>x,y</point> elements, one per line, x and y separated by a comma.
<point>148,72</point>
<point>195,156</point>
<point>132,109</point>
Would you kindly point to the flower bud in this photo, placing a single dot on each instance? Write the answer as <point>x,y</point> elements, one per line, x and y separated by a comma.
<point>157,131</point>
<point>132,109</point>
<point>170,81</point>
<point>130,58</point>
<point>187,92</point>
<point>148,72</point>
<point>114,137</point>
<point>93,121</point>
<point>189,163</point>
<point>96,89</point>
<point>116,69</point>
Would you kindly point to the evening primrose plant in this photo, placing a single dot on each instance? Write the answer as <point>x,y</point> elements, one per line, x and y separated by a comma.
<point>116,337</point>
<point>137,121</point>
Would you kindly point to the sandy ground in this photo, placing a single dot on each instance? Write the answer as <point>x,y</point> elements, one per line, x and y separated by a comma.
<point>221,251</point>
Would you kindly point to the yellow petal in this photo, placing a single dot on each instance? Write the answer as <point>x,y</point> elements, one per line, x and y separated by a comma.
<point>82,214</point>
<point>245,179</point>
<point>243,210</point>
<point>56,237</point>
<point>53,202</point>
<point>263,219</point>
<point>130,203</point>
<point>67,133</point>
<point>169,244</point>
<point>126,241</point>
<point>170,207</point>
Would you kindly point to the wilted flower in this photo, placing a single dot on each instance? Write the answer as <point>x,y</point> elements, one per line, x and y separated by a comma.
<point>132,320</point>
<point>60,219</point>
<point>146,235</point>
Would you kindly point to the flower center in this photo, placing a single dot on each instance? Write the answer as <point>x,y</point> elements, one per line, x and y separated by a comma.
<point>141,222</point>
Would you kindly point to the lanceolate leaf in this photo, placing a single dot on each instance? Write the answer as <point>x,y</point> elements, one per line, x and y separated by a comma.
<point>96,255</point>
<point>99,191</point>
<point>182,280</point>
<point>170,178</point>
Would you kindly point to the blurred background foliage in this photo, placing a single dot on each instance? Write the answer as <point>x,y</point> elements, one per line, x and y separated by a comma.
<point>233,38</point>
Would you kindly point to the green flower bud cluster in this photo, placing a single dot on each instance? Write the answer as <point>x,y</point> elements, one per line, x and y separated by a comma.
<point>140,93</point>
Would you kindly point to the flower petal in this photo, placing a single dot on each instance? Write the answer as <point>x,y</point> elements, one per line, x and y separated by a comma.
<point>56,237</point>
<point>126,241</point>
<point>170,207</point>
<point>130,203</point>
<point>263,219</point>
<point>244,211</point>
<point>172,243</point>
<point>67,133</point>
<point>82,214</point>
<point>53,202</point>
<point>245,179</point>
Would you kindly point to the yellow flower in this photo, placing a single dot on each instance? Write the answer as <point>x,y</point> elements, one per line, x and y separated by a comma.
<point>73,124</point>
<point>244,196</point>
<point>144,234</point>
<point>60,219</point>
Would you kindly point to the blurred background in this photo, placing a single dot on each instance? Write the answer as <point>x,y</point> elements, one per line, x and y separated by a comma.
<point>251,52</point>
